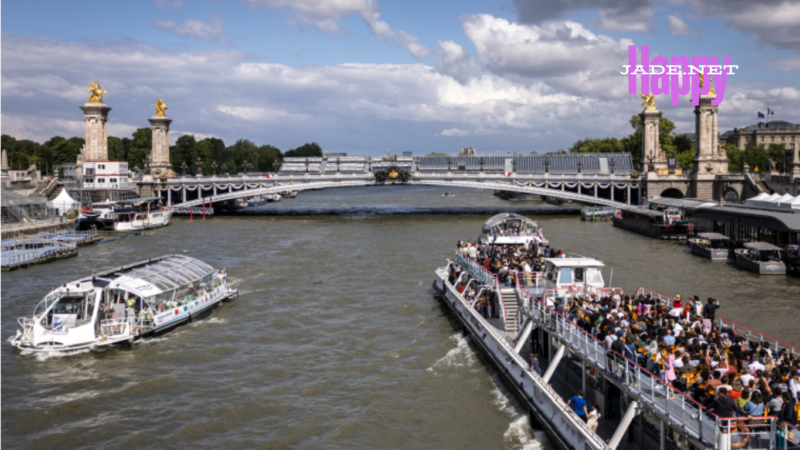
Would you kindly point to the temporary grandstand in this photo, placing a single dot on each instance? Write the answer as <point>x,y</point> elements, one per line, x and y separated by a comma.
<point>18,208</point>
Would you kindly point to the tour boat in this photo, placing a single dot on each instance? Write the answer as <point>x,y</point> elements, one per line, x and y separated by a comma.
<point>511,229</point>
<point>123,304</point>
<point>659,224</point>
<point>100,216</point>
<point>761,258</point>
<point>288,194</point>
<point>711,245</point>
<point>791,257</point>
<point>144,214</point>
<point>639,409</point>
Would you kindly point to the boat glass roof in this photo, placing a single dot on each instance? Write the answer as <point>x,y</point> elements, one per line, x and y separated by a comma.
<point>170,272</point>
<point>504,217</point>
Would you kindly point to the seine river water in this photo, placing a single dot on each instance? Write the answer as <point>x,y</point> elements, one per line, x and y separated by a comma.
<point>336,340</point>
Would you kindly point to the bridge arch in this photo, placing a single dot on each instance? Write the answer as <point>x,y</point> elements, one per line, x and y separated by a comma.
<point>620,191</point>
<point>672,193</point>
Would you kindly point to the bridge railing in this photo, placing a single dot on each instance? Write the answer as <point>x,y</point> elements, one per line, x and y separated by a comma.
<point>740,330</point>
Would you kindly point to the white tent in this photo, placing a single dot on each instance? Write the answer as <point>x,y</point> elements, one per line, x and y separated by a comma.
<point>758,200</point>
<point>63,203</point>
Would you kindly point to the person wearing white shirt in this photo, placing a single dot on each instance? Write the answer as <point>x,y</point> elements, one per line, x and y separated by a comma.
<point>746,379</point>
<point>755,365</point>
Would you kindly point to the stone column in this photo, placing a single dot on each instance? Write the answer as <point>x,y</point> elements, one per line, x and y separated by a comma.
<point>159,155</point>
<point>795,162</point>
<point>651,142</point>
<point>96,117</point>
<point>709,158</point>
<point>4,180</point>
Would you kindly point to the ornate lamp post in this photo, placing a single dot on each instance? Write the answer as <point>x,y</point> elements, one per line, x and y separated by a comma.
<point>514,164</point>
<point>416,163</point>
<point>199,165</point>
<point>246,165</point>
<point>611,165</point>
<point>337,165</point>
<point>214,168</point>
<point>449,163</point>
<point>650,157</point>
<point>546,164</point>
<point>481,161</point>
<point>276,165</point>
<point>224,168</point>
<point>184,167</point>
<point>579,163</point>
<point>307,166</point>
<point>147,165</point>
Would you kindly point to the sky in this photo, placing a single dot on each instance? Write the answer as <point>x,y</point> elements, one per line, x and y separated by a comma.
<point>362,76</point>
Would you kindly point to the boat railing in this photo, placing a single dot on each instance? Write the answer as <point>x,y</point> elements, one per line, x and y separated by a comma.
<point>540,385</point>
<point>788,436</point>
<point>487,277</point>
<point>116,327</point>
<point>681,409</point>
<point>740,330</point>
<point>754,432</point>
<point>27,324</point>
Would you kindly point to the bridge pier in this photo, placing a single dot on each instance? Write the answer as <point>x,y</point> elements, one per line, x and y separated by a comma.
<point>183,190</point>
<point>169,196</point>
<point>629,194</point>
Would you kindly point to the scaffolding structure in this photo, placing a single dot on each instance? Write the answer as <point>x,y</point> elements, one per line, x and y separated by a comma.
<point>68,175</point>
<point>18,208</point>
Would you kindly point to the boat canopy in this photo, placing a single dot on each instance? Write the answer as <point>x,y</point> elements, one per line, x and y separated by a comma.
<point>139,200</point>
<point>158,275</point>
<point>575,262</point>
<point>713,236</point>
<point>505,217</point>
<point>760,246</point>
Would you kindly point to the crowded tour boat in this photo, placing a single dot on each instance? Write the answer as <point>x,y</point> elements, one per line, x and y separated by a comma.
<point>711,245</point>
<point>510,228</point>
<point>123,304</point>
<point>599,369</point>
<point>761,258</point>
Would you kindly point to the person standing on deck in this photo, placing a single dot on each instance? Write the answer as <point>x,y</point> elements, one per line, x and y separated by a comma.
<point>534,364</point>
<point>578,405</point>
<point>709,314</point>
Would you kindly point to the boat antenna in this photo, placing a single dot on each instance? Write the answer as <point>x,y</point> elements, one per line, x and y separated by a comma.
<point>611,278</point>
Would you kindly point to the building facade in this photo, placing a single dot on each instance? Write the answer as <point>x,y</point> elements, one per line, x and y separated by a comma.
<point>105,174</point>
<point>764,134</point>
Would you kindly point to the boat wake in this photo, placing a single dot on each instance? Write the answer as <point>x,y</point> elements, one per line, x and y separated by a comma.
<point>459,356</point>
<point>519,434</point>
<point>44,356</point>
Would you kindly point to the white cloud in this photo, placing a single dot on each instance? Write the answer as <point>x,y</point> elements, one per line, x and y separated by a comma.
<point>455,132</point>
<point>622,15</point>
<point>325,15</point>
<point>454,61</point>
<point>680,28</point>
<point>771,22</point>
<point>208,31</point>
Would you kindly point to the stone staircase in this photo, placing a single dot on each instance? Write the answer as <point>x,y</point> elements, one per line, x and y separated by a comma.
<point>511,304</point>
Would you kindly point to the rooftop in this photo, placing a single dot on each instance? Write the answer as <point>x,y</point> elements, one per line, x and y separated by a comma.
<point>786,220</point>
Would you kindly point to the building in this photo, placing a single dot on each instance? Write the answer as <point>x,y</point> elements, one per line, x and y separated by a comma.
<point>745,223</point>
<point>774,132</point>
<point>105,174</point>
<point>19,175</point>
<point>408,154</point>
<point>468,151</point>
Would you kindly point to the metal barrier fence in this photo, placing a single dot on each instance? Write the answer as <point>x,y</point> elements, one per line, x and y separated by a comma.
<point>480,272</point>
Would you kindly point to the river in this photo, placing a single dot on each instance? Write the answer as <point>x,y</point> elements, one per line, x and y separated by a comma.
<point>336,339</point>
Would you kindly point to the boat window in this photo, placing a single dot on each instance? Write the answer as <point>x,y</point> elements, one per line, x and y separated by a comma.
<point>566,275</point>
<point>594,276</point>
<point>579,274</point>
<point>44,304</point>
<point>163,301</point>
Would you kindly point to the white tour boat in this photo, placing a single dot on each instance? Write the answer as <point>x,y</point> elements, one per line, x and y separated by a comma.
<point>143,214</point>
<point>123,304</point>
<point>511,229</point>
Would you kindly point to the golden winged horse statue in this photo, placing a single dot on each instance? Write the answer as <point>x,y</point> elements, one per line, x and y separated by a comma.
<point>96,91</point>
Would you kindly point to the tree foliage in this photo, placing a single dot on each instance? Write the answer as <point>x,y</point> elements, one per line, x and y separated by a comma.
<point>306,151</point>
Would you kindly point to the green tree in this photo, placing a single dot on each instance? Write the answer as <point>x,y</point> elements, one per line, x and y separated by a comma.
<point>67,151</point>
<point>141,144</point>
<point>267,155</point>
<point>756,156</point>
<point>430,154</point>
<point>590,145</point>
<point>735,157</point>
<point>116,151</point>
<point>241,151</point>
<point>184,151</point>
<point>306,151</point>
<point>206,152</point>
<point>775,152</point>
<point>9,143</point>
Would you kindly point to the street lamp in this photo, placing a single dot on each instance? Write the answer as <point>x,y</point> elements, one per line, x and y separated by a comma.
<point>184,166</point>
<point>481,160</point>
<point>147,164</point>
<point>275,165</point>
<point>611,165</point>
<point>337,165</point>
<point>246,165</point>
<point>579,163</point>
<point>546,164</point>
<point>307,166</point>
<point>214,168</point>
<point>650,166</point>
<point>199,165</point>
<point>224,168</point>
<point>449,163</point>
<point>514,163</point>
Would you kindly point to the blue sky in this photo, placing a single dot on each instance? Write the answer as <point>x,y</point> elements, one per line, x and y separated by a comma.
<point>360,76</point>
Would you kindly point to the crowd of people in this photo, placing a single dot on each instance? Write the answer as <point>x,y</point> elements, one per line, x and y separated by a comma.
<point>686,346</point>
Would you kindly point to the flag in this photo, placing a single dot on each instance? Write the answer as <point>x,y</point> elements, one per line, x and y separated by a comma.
<point>269,175</point>
<point>508,174</point>
<point>761,115</point>
<point>771,112</point>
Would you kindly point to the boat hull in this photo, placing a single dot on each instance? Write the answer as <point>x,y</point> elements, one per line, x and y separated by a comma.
<point>710,253</point>
<point>759,267</point>
<point>653,230</point>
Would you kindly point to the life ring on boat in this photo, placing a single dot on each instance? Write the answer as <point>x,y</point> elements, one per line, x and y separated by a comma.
<point>742,428</point>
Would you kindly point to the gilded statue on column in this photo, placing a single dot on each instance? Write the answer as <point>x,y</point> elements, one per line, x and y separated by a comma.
<point>711,92</point>
<point>161,108</point>
<point>650,101</point>
<point>96,91</point>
